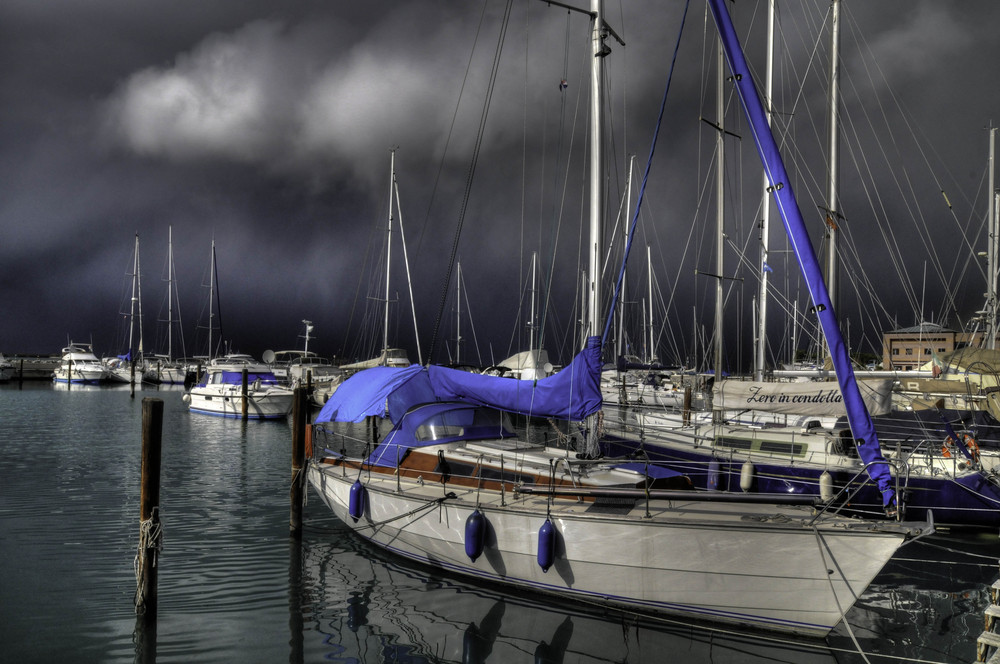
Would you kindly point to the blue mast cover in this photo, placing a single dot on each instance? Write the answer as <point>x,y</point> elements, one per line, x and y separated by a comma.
<point>781,188</point>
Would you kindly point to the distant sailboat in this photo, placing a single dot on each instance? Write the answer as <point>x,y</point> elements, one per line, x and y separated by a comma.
<point>126,367</point>
<point>165,369</point>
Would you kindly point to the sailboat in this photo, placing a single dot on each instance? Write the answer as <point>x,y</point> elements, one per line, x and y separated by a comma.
<point>817,438</point>
<point>165,369</point>
<point>450,487</point>
<point>124,368</point>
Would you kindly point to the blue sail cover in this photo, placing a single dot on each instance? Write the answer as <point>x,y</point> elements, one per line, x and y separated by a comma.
<point>571,394</point>
<point>781,188</point>
<point>379,391</point>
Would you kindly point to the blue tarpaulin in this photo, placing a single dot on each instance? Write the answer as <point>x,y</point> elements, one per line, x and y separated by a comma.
<point>571,394</point>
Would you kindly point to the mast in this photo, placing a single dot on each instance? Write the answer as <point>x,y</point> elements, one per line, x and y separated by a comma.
<point>458,314</point>
<point>170,293</point>
<point>596,166</point>
<point>532,320</point>
<point>651,355</point>
<point>758,373</point>
<point>834,158</point>
<point>720,202</point>
<point>309,328</point>
<point>135,295</point>
<point>780,185</point>
<point>211,301</point>
<point>388,250</point>
<point>992,250</point>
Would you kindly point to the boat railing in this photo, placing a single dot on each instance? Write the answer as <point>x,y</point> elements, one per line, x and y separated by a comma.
<point>900,469</point>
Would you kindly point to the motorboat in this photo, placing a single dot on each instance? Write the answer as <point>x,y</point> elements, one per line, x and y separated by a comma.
<point>236,385</point>
<point>79,365</point>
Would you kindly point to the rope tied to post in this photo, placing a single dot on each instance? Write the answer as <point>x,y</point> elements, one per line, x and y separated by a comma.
<point>150,544</point>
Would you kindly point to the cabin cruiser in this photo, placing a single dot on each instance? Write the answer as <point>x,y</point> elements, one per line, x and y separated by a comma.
<point>236,386</point>
<point>79,365</point>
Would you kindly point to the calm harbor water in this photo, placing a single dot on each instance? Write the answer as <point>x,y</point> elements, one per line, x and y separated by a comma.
<point>233,586</point>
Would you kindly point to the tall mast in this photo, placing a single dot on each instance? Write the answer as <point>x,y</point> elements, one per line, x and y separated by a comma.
<point>170,293</point>
<point>388,248</point>
<point>992,249</point>
<point>211,301</point>
<point>761,344</point>
<point>720,201</point>
<point>135,295</point>
<point>596,167</point>
<point>834,166</point>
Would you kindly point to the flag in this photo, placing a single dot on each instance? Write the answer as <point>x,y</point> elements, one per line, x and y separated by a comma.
<point>766,268</point>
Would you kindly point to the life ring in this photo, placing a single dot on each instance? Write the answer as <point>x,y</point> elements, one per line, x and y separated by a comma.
<point>970,444</point>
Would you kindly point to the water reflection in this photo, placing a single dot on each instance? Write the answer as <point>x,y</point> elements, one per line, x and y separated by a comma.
<point>233,586</point>
<point>370,606</point>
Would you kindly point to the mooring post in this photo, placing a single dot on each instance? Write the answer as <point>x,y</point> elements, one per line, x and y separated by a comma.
<point>149,508</point>
<point>20,375</point>
<point>245,397</point>
<point>69,373</point>
<point>300,414</point>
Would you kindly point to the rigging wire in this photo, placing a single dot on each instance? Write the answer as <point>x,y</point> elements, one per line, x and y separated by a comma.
<point>471,174</point>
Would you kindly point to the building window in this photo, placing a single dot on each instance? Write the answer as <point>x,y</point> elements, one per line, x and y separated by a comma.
<point>895,351</point>
<point>909,351</point>
<point>927,351</point>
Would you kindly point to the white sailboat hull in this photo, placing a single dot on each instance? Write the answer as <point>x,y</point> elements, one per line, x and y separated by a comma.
<point>753,565</point>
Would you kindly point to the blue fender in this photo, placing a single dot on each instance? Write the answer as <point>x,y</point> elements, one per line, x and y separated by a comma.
<point>546,545</point>
<point>359,496</point>
<point>475,535</point>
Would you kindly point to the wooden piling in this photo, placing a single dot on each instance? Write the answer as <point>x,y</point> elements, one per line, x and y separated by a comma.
<point>149,508</point>
<point>246,399</point>
<point>300,417</point>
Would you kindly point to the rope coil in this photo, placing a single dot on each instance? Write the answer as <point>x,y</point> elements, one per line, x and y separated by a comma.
<point>150,544</point>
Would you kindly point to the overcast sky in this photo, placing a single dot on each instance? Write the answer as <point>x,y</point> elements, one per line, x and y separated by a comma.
<point>268,127</point>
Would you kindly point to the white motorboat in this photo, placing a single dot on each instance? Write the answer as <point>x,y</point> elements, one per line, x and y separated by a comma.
<point>231,382</point>
<point>79,365</point>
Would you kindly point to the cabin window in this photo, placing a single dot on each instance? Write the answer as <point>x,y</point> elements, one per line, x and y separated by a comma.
<point>781,447</point>
<point>763,446</point>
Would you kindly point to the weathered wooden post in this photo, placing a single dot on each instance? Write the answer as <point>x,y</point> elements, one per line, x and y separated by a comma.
<point>20,375</point>
<point>150,531</point>
<point>300,416</point>
<point>243,387</point>
<point>69,373</point>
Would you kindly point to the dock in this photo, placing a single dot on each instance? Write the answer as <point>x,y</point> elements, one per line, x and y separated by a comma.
<point>990,638</point>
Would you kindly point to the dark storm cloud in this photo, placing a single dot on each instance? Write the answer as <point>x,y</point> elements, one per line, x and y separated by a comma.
<point>268,127</point>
